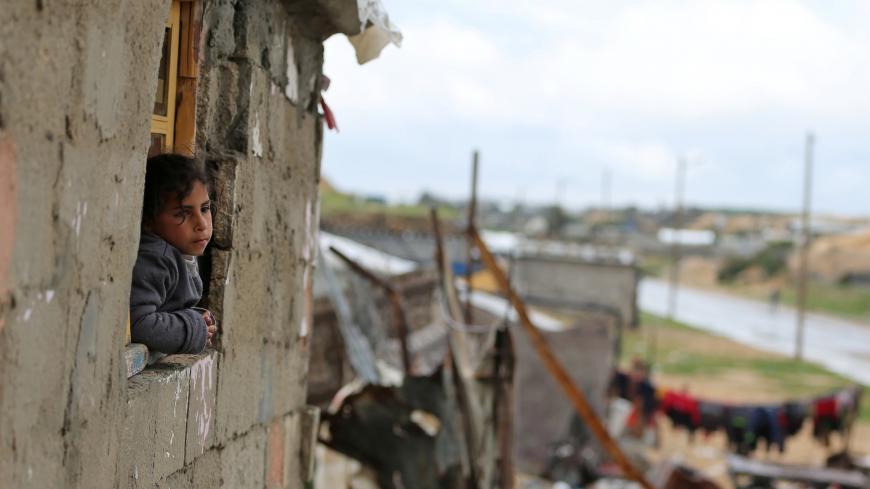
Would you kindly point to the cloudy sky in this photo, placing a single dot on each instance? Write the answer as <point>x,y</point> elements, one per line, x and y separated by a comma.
<point>557,91</point>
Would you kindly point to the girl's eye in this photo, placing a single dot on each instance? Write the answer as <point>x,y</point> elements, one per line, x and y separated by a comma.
<point>205,208</point>
<point>181,216</point>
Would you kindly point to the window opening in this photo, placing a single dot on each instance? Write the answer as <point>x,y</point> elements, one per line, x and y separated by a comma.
<point>173,114</point>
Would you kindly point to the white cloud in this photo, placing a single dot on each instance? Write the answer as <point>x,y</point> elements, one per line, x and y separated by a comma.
<point>645,160</point>
<point>628,85</point>
<point>677,59</point>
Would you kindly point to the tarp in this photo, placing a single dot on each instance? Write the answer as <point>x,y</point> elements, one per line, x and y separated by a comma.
<point>376,31</point>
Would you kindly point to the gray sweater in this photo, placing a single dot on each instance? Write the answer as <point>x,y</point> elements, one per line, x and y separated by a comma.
<point>163,291</point>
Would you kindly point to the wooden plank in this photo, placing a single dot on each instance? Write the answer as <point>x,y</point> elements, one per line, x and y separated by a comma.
<point>458,360</point>
<point>557,370</point>
<point>136,355</point>
<point>185,117</point>
<point>188,71</point>
<point>188,44</point>
<point>505,361</point>
<point>469,246</point>
<point>184,38</point>
<point>172,75</point>
<point>738,465</point>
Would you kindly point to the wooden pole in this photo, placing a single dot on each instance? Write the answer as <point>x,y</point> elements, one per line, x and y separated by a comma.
<point>436,231</point>
<point>502,405</point>
<point>469,247</point>
<point>575,395</point>
<point>805,248</point>
<point>465,409</point>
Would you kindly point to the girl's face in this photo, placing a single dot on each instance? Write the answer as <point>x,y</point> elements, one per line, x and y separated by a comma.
<point>185,225</point>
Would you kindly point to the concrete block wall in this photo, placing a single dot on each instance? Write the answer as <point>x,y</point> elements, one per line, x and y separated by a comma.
<point>77,85</point>
<point>568,281</point>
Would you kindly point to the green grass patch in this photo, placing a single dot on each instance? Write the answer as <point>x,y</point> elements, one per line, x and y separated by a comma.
<point>647,318</point>
<point>339,203</point>
<point>840,300</point>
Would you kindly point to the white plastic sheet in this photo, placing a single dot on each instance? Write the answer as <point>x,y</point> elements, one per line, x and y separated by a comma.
<point>376,31</point>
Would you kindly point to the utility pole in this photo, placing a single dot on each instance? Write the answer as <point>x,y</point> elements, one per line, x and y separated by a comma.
<point>805,247</point>
<point>469,249</point>
<point>676,250</point>
<point>679,190</point>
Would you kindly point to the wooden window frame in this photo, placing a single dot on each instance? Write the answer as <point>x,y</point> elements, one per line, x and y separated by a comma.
<point>160,124</point>
<point>184,139</point>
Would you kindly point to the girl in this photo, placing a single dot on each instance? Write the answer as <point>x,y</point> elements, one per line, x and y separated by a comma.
<point>176,227</point>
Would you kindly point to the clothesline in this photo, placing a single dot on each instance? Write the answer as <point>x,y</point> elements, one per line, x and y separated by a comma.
<point>745,424</point>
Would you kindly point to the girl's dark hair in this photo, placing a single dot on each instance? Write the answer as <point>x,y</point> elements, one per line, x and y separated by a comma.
<point>167,176</point>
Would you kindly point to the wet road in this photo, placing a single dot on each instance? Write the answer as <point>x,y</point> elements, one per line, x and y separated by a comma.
<point>839,345</point>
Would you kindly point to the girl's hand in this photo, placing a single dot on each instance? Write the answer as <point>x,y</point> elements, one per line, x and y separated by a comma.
<point>210,324</point>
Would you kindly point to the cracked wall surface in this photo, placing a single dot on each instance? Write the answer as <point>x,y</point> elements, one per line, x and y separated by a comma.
<point>77,83</point>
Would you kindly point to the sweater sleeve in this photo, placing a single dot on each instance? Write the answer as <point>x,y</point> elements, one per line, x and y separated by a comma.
<point>154,279</point>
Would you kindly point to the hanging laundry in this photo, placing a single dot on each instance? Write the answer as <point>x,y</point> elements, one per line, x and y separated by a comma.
<point>740,438</point>
<point>825,419</point>
<point>744,425</point>
<point>713,416</point>
<point>682,409</point>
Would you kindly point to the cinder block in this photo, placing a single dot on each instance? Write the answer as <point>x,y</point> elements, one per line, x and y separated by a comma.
<point>257,384</point>
<point>200,416</point>
<point>206,472</point>
<point>240,393</point>
<point>173,389</point>
<point>295,437</point>
<point>242,464</point>
<point>224,172</point>
<point>139,432</point>
<point>156,424</point>
<point>220,262</point>
<point>291,424</point>
<point>183,479</point>
<point>283,370</point>
<point>275,456</point>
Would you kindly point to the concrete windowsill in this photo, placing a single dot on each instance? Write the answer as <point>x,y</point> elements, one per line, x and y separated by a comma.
<point>138,358</point>
<point>170,413</point>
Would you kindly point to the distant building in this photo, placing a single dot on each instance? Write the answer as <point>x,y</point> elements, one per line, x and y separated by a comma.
<point>687,237</point>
